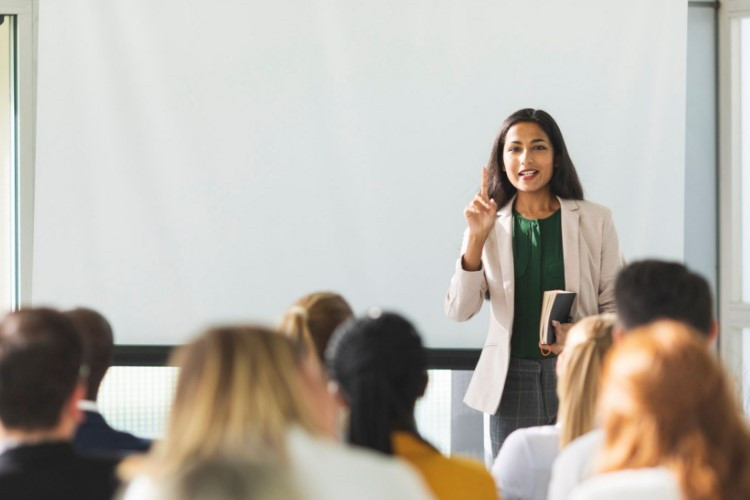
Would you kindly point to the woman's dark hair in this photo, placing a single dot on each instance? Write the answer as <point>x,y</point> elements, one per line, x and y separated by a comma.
<point>381,368</point>
<point>564,183</point>
<point>651,289</point>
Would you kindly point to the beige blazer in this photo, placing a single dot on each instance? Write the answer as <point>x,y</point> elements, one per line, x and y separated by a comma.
<point>592,258</point>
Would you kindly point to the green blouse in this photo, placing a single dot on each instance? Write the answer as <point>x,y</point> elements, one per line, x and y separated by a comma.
<point>538,265</point>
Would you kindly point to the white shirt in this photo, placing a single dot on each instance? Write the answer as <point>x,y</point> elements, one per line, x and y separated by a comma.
<point>523,464</point>
<point>644,484</point>
<point>325,470</point>
<point>574,464</point>
<point>86,405</point>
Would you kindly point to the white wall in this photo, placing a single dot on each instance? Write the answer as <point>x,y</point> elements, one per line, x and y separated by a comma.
<point>200,166</point>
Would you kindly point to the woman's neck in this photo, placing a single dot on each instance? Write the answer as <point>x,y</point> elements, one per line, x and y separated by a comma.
<point>538,205</point>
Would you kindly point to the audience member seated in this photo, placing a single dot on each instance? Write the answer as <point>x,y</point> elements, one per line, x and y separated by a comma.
<point>672,425</point>
<point>380,366</point>
<point>645,291</point>
<point>95,435</point>
<point>228,479</point>
<point>313,319</point>
<point>40,363</point>
<point>523,465</point>
<point>252,393</point>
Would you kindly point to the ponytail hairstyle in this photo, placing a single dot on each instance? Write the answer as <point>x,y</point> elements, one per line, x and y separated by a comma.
<point>564,182</point>
<point>578,384</point>
<point>312,320</point>
<point>380,365</point>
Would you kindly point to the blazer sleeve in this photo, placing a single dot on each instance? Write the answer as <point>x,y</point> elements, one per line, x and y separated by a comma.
<point>467,289</point>
<point>612,261</point>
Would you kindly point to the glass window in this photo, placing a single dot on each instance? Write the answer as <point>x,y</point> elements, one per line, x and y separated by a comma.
<point>433,411</point>
<point>137,399</point>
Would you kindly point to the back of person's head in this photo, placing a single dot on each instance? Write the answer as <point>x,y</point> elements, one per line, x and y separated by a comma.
<point>98,344</point>
<point>650,290</point>
<point>229,479</point>
<point>238,392</point>
<point>313,319</point>
<point>579,366</point>
<point>380,366</point>
<point>666,401</point>
<point>40,362</point>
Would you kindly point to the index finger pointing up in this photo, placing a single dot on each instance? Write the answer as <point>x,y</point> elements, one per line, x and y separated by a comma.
<point>485,182</point>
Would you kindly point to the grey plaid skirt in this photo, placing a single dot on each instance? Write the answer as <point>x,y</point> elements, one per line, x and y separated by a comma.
<point>529,399</point>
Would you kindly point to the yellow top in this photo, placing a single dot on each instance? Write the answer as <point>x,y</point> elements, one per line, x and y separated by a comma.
<point>448,478</point>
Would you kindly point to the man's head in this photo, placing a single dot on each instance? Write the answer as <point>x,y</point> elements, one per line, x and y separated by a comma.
<point>40,360</point>
<point>96,334</point>
<point>649,290</point>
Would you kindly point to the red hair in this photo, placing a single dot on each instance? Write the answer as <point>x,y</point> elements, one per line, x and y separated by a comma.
<point>666,401</point>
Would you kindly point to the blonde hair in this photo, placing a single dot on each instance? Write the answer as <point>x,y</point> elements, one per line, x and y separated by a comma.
<point>238,392</point>
<point>578,385</point>
<point>313,319</point>
<point>666,401</point>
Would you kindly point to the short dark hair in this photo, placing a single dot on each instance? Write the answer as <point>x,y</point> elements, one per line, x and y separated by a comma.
<point>40,359</point>
<point>564,182</point>
<point>649,290</point>
<point>98,344</point>
<point>380,365</point>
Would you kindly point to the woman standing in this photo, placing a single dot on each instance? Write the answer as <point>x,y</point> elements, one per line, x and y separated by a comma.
<point>529,230</point>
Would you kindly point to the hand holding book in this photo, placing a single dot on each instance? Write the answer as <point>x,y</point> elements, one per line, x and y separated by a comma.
<point>554,322</point>
<point>561,334</point>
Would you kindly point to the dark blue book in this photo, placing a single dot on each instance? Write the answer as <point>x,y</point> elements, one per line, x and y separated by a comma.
<point>556,306</point>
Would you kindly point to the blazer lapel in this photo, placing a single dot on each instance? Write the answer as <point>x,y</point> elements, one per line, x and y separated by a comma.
<point>504,235</point>
<point>569,215</point>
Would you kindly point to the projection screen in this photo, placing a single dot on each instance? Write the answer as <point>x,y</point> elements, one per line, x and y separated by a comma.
<point>209,162</point>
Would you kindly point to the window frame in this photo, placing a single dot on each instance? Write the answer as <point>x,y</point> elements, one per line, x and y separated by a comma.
<point>733,312</point>
<point>21,199</point>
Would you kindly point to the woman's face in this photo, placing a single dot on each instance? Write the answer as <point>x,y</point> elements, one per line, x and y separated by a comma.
<point>528,157</point>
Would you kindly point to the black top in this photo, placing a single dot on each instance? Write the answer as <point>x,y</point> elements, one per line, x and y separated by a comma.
<point>54,471</point>
<point>95,437</point>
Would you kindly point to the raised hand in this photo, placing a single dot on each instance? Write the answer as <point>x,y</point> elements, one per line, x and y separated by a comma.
<point>482,211</point>
<point>480,216</point>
